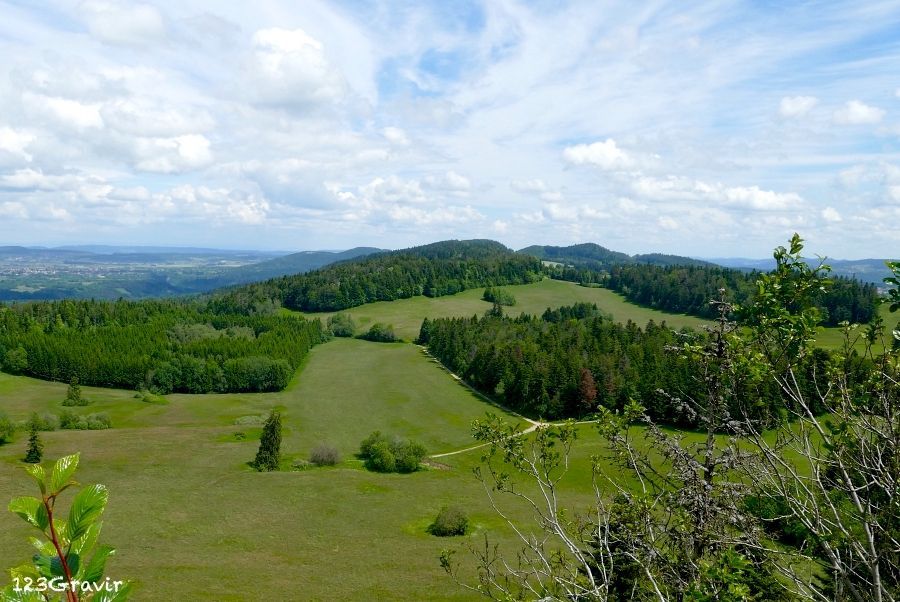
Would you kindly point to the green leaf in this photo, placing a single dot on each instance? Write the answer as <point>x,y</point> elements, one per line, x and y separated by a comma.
<point>52,566</point>
<point>9,594</point>
<point>84,544</point>
<point>87,506</point>
<point>37,473</point>
<point>32,510</point>
<point>93,571</point>
<point>62,473</point>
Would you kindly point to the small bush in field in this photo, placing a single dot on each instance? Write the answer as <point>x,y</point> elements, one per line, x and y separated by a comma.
<point>382,454</point>
<point>324,454</point>
<point>449,521</point>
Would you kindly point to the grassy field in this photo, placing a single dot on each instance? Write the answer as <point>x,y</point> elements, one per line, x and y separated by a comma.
<point>406,315</point>
<point>192,522</point>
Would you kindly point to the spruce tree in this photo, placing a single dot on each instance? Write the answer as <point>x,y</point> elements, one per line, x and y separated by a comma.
<point>73,394</point>
<point>35,452</point>
<point>269,454</point>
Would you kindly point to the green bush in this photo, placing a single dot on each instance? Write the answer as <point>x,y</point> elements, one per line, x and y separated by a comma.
<point>45,421</point>
<point>380,333</point>
<point>341,325</point>
<point>449,521</point>
<point>382,454</point>
<point>69,420</point>
<point>7,429</point>
<point>499,295</point>
<point>324,454</point>
<point>382,458</point>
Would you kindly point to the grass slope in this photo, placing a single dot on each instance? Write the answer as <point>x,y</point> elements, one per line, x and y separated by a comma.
<point>192,522</point>
<point>407,314</point>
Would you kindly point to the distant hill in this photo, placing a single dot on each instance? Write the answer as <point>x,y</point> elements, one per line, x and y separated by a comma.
<point>434,270</point>
<point>865,270</point>
<point>593,256</point>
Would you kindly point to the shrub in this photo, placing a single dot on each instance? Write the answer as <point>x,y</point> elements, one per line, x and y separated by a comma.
<point>380,333</point>
<point>251,420</point>
<point>449,521</point>
<point>499,295</point>
<point>16,361</point>
<point>381,458</point>
<point>45,421</point>
<point>385,455</point>
<point>69,420</point>
<point>7,429</point>
<point>324,454</point>
<point>341,325</point>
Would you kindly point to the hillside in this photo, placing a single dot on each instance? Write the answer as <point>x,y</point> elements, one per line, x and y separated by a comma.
<point>872,271</point>
<point>593,256</point>
<point>434,270</point>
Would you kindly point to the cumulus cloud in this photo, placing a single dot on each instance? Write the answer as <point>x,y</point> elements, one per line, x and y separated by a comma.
<point>856,112</point>
<point>140,117</point>
<point>123,24</point>
<point>830,214</point>
<point>449,181</point>
<point>173,155</point>
<point>15,143</point>
<point>65,112</point>
<point>796,106</point>
<point>290,70</point>
<point>689,189</point>
<point>395,136</point>
<point>606,155</point>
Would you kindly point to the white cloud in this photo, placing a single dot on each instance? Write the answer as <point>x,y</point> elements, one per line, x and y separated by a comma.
<point>64,111</point>
<point>15,142</point>
<point>395,136</point>
<point>449,181</point>
<point>688,189</point>
<point>606,155</point>
<point>290,70</point>
<point>667,223</point>
<point>172,155</point>
<point>830,214</point>
<point>123,24</point>
<point>139,117</point>
<point>796,106</point>
<point>856,112</point>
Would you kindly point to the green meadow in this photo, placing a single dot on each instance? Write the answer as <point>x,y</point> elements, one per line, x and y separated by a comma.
<point>406,315</point>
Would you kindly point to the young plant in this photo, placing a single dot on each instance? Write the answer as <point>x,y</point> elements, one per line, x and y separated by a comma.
<point>69,563</point>
<point>35,452</point>
<point>269,454</point>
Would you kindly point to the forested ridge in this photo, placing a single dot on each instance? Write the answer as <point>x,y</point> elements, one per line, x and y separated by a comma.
<point>570,360</point>
<point>163,345</point>
<point>434,270</point>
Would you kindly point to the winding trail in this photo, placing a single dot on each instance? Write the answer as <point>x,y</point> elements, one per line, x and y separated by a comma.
<point>533,425</point>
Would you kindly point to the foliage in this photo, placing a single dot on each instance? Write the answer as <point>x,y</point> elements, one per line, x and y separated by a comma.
<point>451,520</point>
<point>68,555</point>
<point>44,421</point>
<point>7,428</point>
<point>434,270</point>
<point>380,333</point>
<point>324,454</point>
<point>499,295</point>
<point>163,345</point>
<point>342,325</point>
<point>73,394</point>
<point>16,360</point>
<point>383,454</point>
<point>269,454</point>
<point>35,451</point>
<point>99,421</point>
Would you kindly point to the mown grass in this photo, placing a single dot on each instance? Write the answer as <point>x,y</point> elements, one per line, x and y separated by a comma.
<point>406,315</point>
<point>192,522</point>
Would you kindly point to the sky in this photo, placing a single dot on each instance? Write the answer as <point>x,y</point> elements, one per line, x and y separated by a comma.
<point>708,129</point>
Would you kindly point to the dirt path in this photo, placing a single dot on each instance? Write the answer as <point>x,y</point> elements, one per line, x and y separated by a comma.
<point>532,424</point>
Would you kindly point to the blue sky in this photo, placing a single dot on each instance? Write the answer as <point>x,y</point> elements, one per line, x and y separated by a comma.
<point>708,129</point>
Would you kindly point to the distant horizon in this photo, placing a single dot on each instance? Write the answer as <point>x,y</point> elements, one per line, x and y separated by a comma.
<point>341,250</point>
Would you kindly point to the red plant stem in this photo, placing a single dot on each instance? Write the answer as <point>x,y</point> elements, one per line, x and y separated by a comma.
<point>71,596</point>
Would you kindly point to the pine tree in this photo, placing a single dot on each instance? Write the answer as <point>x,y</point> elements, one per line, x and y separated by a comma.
<point>269,454</point>
<point>35,452</point>
<point>73,394</point>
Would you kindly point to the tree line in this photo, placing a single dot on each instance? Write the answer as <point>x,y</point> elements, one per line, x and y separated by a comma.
<point>162,345</point>
<point>689,288</point>
<point>571,360</point>
<point>434,270</point>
